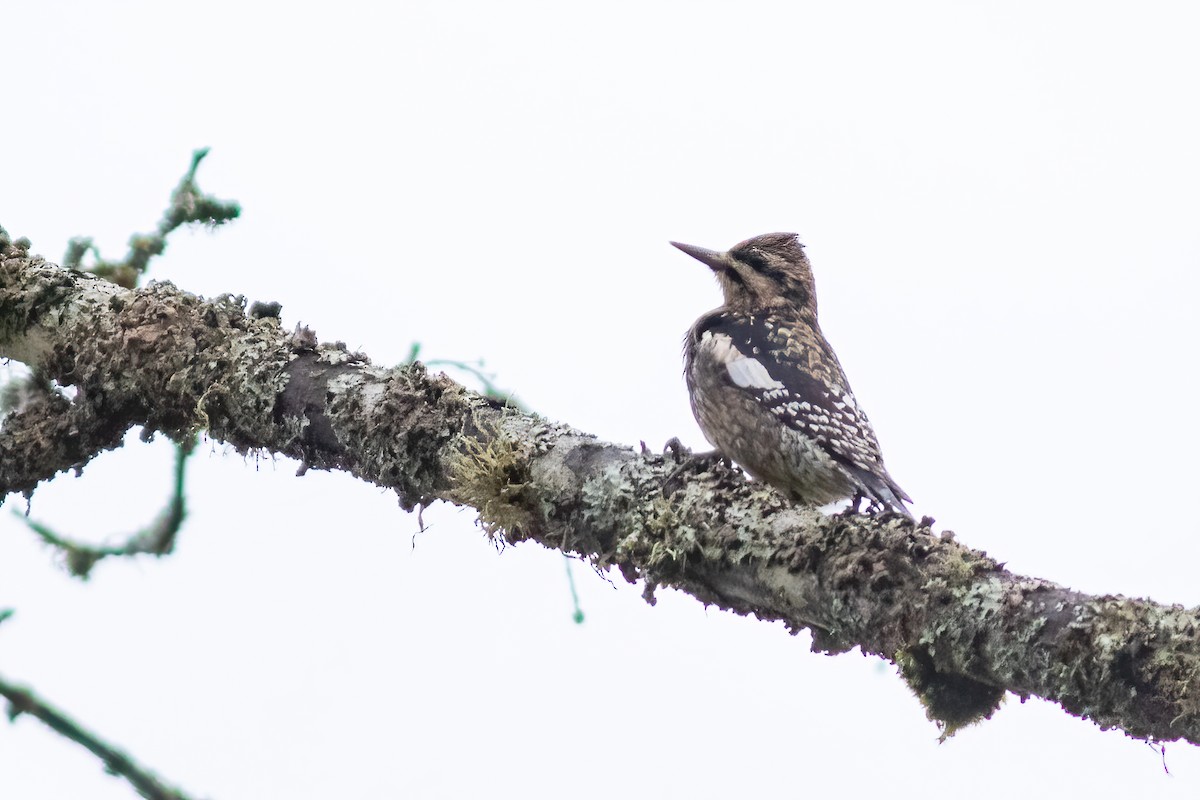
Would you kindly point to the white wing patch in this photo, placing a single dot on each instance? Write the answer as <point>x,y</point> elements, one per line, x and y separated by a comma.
<point>749,373</point>
<point>746,372</point>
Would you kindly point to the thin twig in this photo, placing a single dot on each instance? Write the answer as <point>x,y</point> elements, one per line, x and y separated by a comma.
<point>147,784</point>
<point>157,539</point>
<point>188,205</point>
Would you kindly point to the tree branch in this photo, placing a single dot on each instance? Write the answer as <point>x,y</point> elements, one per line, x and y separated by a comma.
<point>148,785</point>
<point>962,629</point>
<point>156,539</point>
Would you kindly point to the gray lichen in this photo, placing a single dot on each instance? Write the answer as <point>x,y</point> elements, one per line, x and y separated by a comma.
<point>962,628</point>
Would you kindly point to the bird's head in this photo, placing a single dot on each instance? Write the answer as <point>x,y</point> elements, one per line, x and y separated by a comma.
<point>763,273</point>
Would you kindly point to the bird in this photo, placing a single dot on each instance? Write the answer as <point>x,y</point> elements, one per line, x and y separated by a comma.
<point>767,389</point>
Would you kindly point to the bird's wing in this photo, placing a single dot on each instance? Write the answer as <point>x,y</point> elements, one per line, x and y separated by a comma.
<point>793,374</point>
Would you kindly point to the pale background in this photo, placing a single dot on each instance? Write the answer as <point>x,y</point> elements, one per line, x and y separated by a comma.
<point>1001,204</point>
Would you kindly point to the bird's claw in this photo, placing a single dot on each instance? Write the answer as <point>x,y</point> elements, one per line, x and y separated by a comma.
<point>676,449</point>
<point>689,462</point>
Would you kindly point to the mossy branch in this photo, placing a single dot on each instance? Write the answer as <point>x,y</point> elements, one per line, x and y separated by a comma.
<point>188,205</point>
<point>963,629</point>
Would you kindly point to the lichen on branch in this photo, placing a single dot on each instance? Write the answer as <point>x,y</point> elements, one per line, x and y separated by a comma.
<point>963,629</point>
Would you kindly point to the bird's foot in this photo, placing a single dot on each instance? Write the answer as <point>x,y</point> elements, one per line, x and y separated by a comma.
<point>677,449</point>
<point>874,508</point>
<point>688,462</point>
<point>852,509</point>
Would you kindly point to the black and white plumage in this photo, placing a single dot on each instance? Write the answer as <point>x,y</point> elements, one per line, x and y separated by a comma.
<point>766,387</point>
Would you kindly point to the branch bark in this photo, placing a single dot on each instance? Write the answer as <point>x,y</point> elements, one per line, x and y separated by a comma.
<point>962,629</point>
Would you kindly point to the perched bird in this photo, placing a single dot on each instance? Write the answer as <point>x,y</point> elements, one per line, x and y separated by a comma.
<point>768,390</point>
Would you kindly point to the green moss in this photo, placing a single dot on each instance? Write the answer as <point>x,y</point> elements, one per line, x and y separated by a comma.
<point>493,476</point>
<point>953,702</point>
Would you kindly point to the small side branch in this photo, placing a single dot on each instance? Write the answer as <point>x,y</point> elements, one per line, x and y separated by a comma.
<point>23,701</point>
<point>188,205</point>
<point>157,539</point>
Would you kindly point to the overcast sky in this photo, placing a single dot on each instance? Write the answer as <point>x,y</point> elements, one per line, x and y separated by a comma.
<point>1000,203</point>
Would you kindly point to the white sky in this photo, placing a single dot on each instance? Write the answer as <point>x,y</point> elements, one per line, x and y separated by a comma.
<point>1001,205</point>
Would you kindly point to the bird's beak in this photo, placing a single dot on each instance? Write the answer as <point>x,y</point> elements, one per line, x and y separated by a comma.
<point>714,260</point>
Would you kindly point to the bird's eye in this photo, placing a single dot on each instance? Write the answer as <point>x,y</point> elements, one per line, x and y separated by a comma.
<point>755,258</point>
